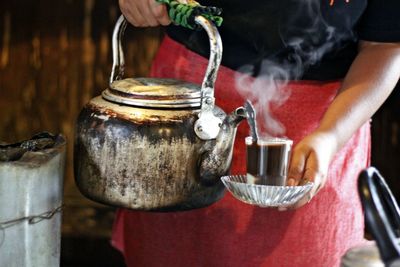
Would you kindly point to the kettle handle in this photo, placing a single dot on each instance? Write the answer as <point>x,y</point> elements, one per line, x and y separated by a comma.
<point>207,87</point>
<point>208,126</point>
<point>378,202</point>
<point>118,67</point>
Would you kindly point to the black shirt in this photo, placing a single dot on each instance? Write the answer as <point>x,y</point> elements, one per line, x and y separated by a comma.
<point>312,39</point>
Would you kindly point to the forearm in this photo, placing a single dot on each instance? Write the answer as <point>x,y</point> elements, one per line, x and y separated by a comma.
<point>370,80</point>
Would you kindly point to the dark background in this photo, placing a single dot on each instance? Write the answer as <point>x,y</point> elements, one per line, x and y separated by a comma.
<point>54,57</point>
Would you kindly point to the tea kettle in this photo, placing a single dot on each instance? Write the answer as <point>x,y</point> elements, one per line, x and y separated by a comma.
<point>382,218</point>
<point>155,144</point>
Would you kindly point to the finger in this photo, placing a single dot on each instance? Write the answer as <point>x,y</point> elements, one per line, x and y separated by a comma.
<point>310,170</point>
<point>138,17</point>
<point>296,169</point>
<point>310,174</point>
<point>303,201</point>
<point>132,14</point>
<point>127,11</point>
<point>319,187</point>
<point>282,208</point>
<point>310,195</point>
<point>313,174</point>
<point>160,13</point>
<point>145,11</point>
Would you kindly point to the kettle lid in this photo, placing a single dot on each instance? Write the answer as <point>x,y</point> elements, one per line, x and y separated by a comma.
<point>154,93</point>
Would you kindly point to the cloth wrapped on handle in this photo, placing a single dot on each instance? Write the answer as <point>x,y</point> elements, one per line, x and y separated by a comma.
<point>183,14</point>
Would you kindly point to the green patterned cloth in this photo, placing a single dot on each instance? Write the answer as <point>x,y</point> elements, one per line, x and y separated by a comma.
<point>184,14</point>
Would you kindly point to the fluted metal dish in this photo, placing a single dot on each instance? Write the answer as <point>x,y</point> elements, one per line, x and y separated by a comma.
<point>264,195</point>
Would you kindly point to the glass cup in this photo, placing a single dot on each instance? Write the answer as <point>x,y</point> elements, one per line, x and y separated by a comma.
<point>267,160</point>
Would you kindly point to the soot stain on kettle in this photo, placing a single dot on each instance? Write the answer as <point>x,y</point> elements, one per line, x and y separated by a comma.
<point>152,126</point>
<point>145,165</point>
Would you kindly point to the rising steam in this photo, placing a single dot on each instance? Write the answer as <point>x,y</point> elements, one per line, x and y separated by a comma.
<point>305,43</point>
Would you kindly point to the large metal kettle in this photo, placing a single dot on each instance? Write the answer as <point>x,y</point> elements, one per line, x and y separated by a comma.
<point>382,218</point>
<point>155,144</point>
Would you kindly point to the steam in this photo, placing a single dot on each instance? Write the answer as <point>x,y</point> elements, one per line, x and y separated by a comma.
<point>266,90</point>
<point>306,42</point>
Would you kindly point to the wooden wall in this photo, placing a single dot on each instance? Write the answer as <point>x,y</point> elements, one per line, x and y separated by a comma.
<point>54,57</point>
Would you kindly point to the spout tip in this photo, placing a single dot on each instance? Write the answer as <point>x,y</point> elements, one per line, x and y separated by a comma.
<point>241,112</point>
<point>239,115</point>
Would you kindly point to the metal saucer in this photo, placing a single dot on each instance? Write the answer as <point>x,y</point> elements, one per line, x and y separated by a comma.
<point>264,195</point>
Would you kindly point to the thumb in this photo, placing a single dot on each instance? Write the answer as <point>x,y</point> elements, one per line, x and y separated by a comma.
<point>296,168</point>
<point>310,169</point>
<point>313,174</point>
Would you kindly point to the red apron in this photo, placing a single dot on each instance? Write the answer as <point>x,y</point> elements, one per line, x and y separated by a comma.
<point>231,233</point>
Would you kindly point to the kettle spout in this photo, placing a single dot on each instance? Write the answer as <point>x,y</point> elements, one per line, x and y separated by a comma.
<point>234,118</point>
<point>216,161</point>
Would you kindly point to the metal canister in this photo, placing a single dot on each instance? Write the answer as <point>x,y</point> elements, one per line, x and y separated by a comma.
<point>31,187</point>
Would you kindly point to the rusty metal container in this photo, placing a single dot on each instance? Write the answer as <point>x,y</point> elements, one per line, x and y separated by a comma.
<point>31,187</point>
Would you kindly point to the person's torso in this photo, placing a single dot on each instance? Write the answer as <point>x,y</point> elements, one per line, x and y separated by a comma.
<point>314,39</point>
